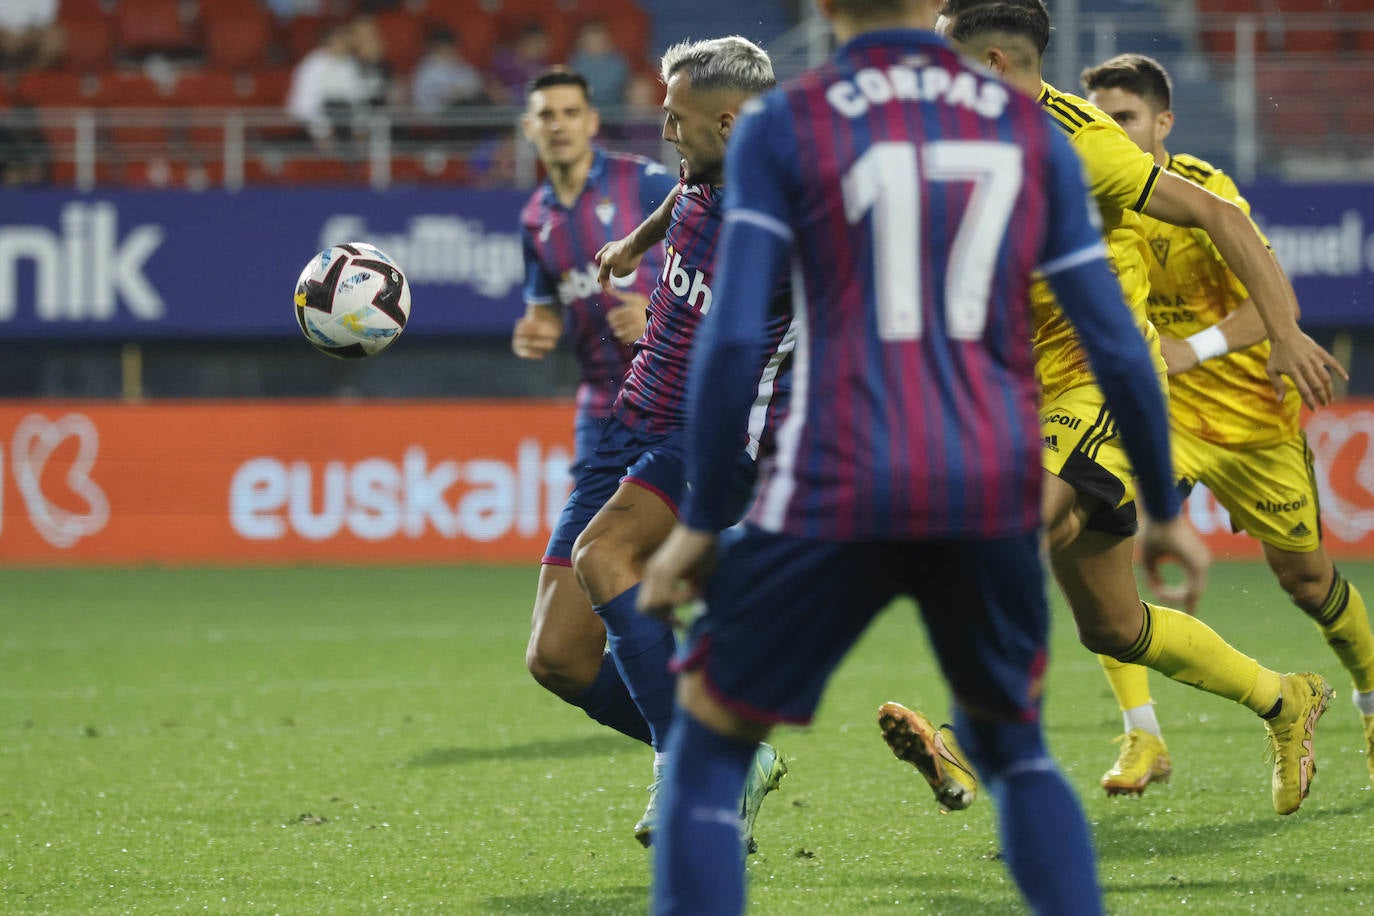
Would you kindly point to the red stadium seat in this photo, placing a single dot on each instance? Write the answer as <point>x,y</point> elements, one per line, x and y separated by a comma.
<point>129,89</point>
<point>268,88</point>
<point>147,26</point>
<point>81,9</point>
<point>89,43</point>
<point>209,89</point>
<point>238,42</point>
<point>1311,41</point>
<point>403,37</point>
<point>1292,124</point>
<point>55,89</point>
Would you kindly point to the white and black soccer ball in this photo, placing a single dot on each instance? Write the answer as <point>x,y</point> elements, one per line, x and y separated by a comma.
<point>352,301</point>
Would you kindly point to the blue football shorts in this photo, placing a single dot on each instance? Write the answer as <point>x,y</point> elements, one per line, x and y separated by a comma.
<point>657,462</point>
<point>781,612</point>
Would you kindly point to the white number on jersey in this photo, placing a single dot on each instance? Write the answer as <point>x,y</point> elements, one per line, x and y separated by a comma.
<point>887,180</point>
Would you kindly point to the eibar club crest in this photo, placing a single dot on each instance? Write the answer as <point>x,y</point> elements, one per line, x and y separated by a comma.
<point>605,211</point>
<point>1161,249</point>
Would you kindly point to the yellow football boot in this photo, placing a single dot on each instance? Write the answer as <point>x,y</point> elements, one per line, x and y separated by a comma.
<point>1144,759</point>
<point>1305,697</point>
<point>934,753</point>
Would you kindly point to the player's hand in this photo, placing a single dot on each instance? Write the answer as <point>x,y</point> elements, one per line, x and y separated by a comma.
<point>1178,355</point>
<point>629,318</point>
<point>535,336</point>
<point>1309,366</point>
<point>677,572</point>
<point>616,259</point>
<point>1176,541</point>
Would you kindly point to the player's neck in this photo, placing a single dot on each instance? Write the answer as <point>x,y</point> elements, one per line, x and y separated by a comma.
<point>847,29</point>
<point>1161,155</point>
<point>569,179</point>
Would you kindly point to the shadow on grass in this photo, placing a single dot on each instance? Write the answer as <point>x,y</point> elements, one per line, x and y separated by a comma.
<point>606,901</point>
<point>533,750</point>
<point>1126,837</point>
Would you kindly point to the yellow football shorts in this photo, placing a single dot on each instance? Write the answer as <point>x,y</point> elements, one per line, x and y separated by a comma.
<point>1082,448</point>
<point>1271,493</point>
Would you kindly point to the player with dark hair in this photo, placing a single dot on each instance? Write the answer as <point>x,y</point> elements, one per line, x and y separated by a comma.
<point>589,197</point>
<point>910,196</point>
<point>1227,434</point>
<point>1089,496</point>
<point>626,496</point>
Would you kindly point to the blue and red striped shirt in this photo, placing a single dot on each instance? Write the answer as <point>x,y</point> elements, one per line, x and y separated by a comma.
<point>653,397</point>
<point>560,246</point>
<point>913,195</point>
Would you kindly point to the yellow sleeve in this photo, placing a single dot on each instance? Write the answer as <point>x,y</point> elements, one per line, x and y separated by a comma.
<point>1117,170</point>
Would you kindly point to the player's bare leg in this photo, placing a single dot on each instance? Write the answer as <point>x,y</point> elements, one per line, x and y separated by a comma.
<point>567,654</point>
<point>1094,571</point>
<point>567,639</point>
<point>610,554</point>
<point>1338,609</point>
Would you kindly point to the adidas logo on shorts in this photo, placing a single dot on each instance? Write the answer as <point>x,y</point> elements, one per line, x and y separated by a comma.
<point>1300,530</point>
<point>1052,443</point>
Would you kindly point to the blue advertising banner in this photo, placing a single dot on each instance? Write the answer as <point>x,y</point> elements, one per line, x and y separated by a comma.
<point>1324,238</point>
<point>168,264</point>
<point>149,264</point>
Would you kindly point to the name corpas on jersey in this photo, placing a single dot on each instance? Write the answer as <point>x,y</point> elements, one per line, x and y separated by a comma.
<point>871,86</point>
<point>687,284</point>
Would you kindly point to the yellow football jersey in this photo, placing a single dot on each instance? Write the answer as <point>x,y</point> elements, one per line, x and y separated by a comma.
<point>1227,400</point>
<point>1121,178</point>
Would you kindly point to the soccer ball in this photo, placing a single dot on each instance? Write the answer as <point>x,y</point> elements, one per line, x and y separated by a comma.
<point>352,301</point>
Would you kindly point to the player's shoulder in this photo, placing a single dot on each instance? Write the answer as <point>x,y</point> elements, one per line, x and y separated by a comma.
<point>1074,114</point>
<point>1198,171</point>
<point>535,210</point>
<point>633,162</point>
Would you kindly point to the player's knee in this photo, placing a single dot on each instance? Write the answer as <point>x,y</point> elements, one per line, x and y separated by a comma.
<point>1305,580</point>
<point>601,564</point>
<point>555,671</point>
<point>1107,637</point>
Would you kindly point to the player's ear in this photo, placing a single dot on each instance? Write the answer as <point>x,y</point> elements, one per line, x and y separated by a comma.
<point>995,59</point>
<point>726,124</point>
<point>1164,125</point>
<point>594,122</point>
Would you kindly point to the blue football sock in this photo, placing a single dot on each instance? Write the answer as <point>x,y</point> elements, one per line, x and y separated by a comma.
<point>642,647</point>
<point>1045,838</point>
<point>698,850</point>
<point>608,701</point>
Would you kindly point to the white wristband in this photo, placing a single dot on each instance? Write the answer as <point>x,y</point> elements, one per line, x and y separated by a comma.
<point>1209,344</point>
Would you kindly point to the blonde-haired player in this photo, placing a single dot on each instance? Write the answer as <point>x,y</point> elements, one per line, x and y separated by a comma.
<point>1228,432</point>
<point>1089,507</point>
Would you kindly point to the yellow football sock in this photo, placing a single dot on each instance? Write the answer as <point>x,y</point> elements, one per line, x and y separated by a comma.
<point>1344,624</point>
<point>1130,683</point>
<point>1187,650</point>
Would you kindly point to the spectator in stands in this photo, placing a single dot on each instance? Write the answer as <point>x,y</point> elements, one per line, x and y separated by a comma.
<point>597,58</point>
<point>327,87</point>
<point>443,79</point>
<point>24,153</point>
<point>380,89</point>
<point>516,65</point>
<point>643,132</point>
<point>29,34</point>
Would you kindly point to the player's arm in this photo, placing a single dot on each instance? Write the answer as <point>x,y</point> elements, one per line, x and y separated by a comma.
<point>537,332</point>
<point>1238,330</point>
<point>1294,354</point>
<point>621,257</point>
<point>755,244</point>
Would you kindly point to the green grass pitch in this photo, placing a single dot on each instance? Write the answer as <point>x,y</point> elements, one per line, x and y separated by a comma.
<point>368,741</point>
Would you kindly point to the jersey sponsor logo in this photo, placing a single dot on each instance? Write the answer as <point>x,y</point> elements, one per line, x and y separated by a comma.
<point>1160,247</point>
<point>688,284</point>
<point>1268,505</point>
<point>1064,419</point>
<point>82,509</point>
<point>1162,318</point>
<point>580,283</point>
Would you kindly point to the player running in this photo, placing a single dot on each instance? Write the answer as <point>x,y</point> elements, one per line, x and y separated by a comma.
<point>910,195</point>
<point>1227,431</point>
<point>626,495</point>
<point>1089,507</point>
<point>589,197</point>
